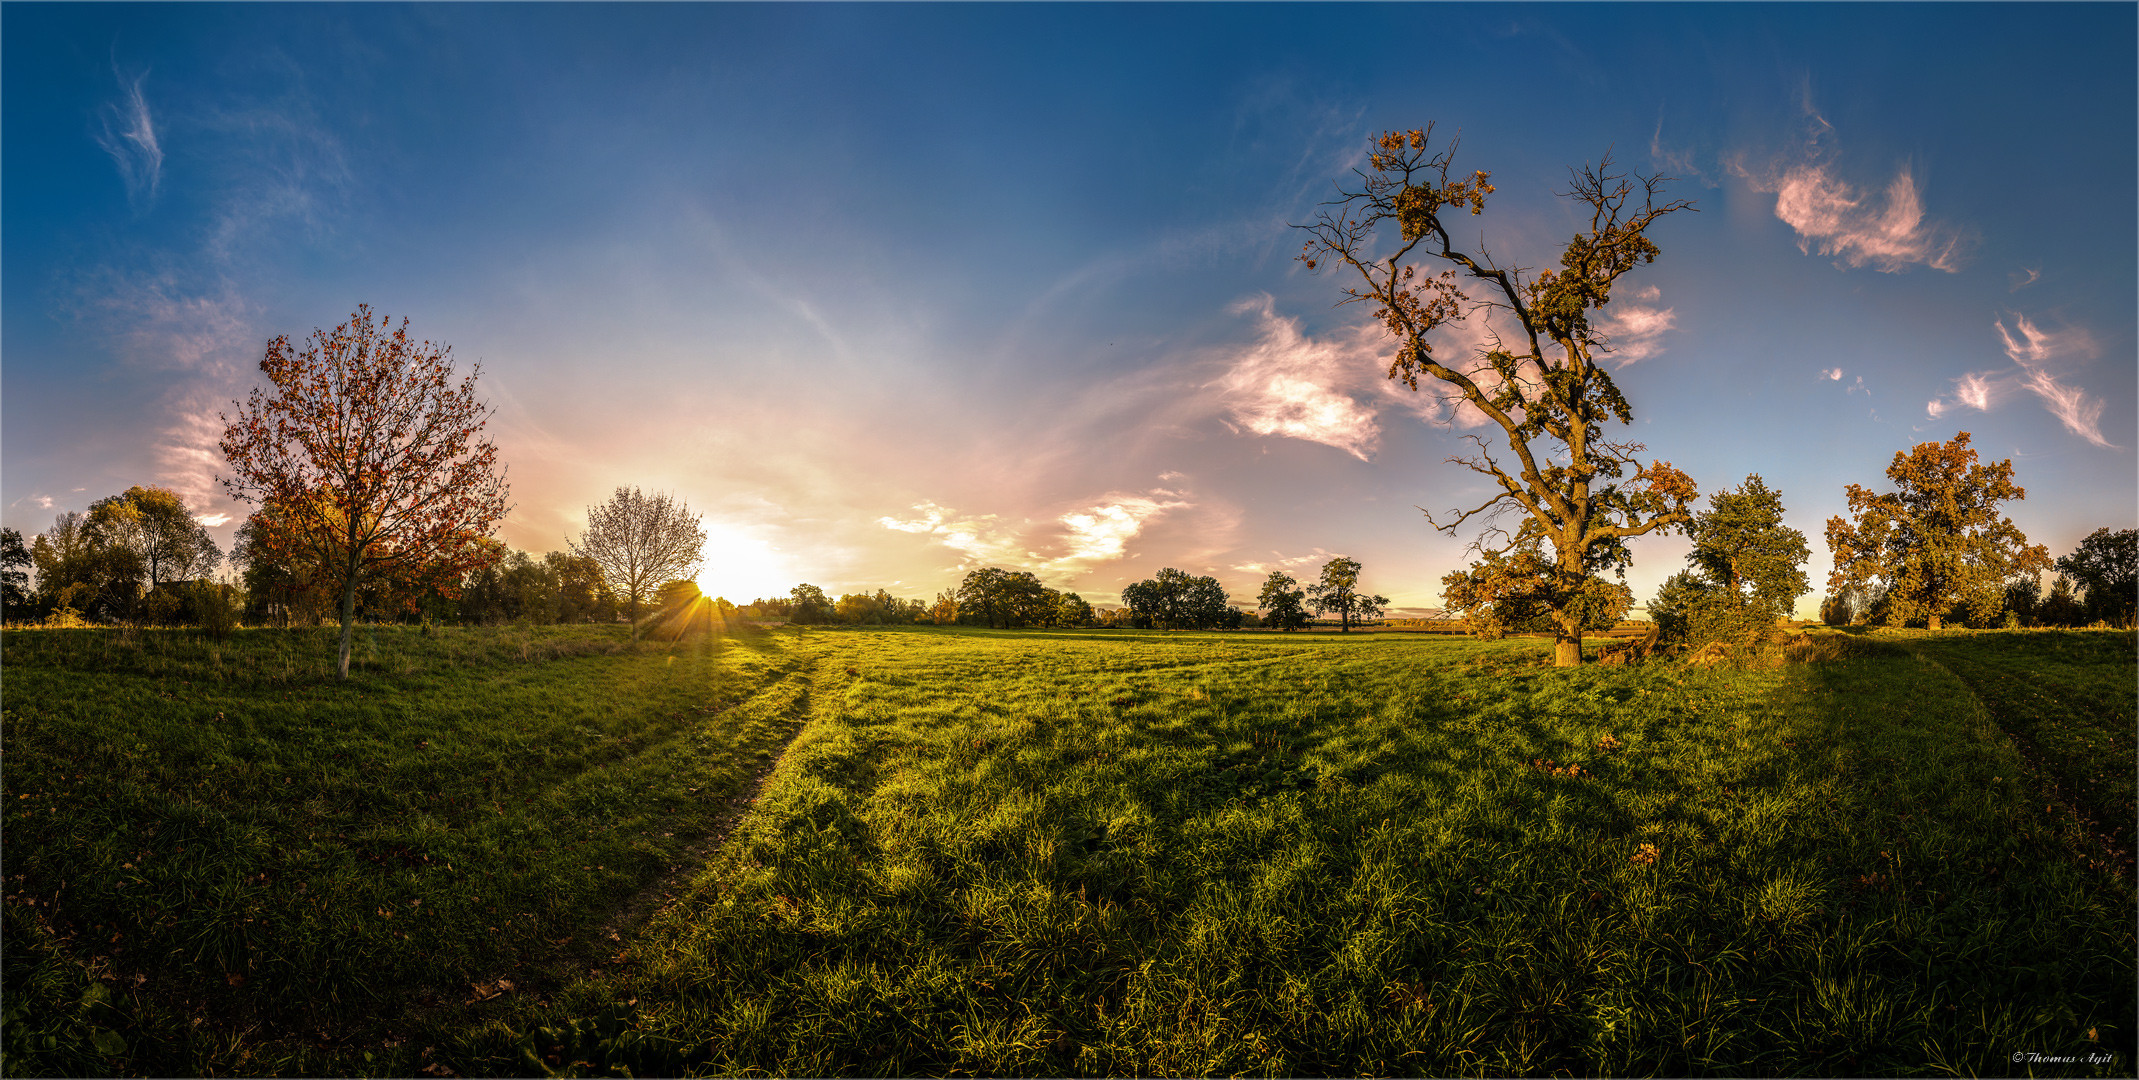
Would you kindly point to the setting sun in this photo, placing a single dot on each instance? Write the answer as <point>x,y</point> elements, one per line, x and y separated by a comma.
<point>742,567</point>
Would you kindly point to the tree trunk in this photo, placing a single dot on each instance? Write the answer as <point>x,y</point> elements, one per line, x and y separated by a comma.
<point>633,614</point>
<point>1567,650</point>
<point>348,624</point>
<point>1567,640</point>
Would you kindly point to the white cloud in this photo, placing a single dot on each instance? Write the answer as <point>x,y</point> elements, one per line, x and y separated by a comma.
<point>1635,332</point>
<point>1280,562</point>
<point>2080,414</point>
<point>1887,231</point>
<point>1289,384</point>
<point>1064,548</point>
<point>1333,390</point>
<point>1831,374</point>
<point>2034,351</point>
<point>128,134</point>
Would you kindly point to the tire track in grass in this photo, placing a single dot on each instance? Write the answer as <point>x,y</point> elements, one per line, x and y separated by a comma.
<point>2107,843</point>
<point>786,702</point>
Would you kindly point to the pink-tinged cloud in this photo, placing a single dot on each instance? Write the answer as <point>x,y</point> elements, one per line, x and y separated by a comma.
<point>2080,414</point>
<point>1858,228</point>
<point>2030,345</point>
<point>2034,351</point>
<point>1635,332</point>
<point>1855,226</point>
<point>1063,549</point>
<point>1287,383</point>
<point>1831,374</point>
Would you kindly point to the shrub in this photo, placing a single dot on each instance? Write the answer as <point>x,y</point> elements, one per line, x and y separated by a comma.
<point>215,608</point>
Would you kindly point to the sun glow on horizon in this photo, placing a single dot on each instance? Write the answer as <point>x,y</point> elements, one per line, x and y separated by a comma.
<point>741,567</point>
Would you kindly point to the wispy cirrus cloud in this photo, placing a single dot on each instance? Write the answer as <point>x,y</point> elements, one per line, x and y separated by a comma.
<point>1636,331</point>
<point>1279,561</point>
<point>1858,226</point>
<point>1064,548</point>
<point>202,342</point>
<point>127,132</point>
<point>2034,351</point>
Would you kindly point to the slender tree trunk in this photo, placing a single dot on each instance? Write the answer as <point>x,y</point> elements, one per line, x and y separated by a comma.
<point>633,603</point>
<point>348,623</point>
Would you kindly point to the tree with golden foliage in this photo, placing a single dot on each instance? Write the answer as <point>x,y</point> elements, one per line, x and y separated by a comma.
<point>1936,542</point>
<point>1576,491</point>
<point>367,457</point>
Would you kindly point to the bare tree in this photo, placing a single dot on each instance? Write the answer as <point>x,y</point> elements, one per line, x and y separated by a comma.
<point>1572,487</point>
<point>365,460</point>
<point>641,541</point>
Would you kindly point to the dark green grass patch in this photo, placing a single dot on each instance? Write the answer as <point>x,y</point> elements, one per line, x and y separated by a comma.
<point>220,860</point>
<point>2069,696</point>
<point>1200,854</point>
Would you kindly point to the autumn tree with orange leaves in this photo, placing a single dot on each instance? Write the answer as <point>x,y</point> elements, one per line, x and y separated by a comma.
<point>1578,494</point>
<point>367,457</point>
<point>1936,542</point>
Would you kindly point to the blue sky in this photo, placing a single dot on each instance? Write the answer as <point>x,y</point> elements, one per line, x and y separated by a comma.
<point>892,291</point>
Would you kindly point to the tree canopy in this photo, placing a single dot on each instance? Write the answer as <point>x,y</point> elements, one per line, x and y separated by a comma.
<point>1282,602</point>
<point>1936,542</point>
<point>1520,591</point>
<point>1176,600</point>
<point>1573,488</point>
<point>1746,569</point>
<point>2106,568</point>
<point>14,574</point>
<point>641,540</point>
<point>367,452</point>
<point>1338,590</point>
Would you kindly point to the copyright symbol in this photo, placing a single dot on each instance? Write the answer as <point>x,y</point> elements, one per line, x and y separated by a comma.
<point>2017,1055</point>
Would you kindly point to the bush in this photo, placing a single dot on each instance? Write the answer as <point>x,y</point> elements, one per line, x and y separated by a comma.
<point>1723,617</point>
<point>215,608</point>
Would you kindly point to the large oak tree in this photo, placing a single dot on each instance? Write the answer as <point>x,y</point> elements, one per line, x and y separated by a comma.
<point>367,454</point>
<point>1576,491</point>
<point>1936,542</point>
<point>1338,590</point>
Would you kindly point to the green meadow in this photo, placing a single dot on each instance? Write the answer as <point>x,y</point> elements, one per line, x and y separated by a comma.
<point>966,852</point>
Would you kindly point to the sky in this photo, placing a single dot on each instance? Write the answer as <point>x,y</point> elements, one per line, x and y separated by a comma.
<point>890,292</point>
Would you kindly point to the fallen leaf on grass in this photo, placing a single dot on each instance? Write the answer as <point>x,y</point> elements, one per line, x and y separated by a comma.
<point>486,991</point>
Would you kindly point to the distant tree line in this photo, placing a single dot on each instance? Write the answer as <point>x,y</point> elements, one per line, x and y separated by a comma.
<point>137,557</point>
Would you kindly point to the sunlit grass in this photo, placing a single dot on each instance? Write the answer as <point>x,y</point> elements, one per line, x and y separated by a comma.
<point>1050,853</point>
<point>1191,855</point>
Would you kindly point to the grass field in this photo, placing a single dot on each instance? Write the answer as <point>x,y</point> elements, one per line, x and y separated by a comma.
<point>1063,853</point>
